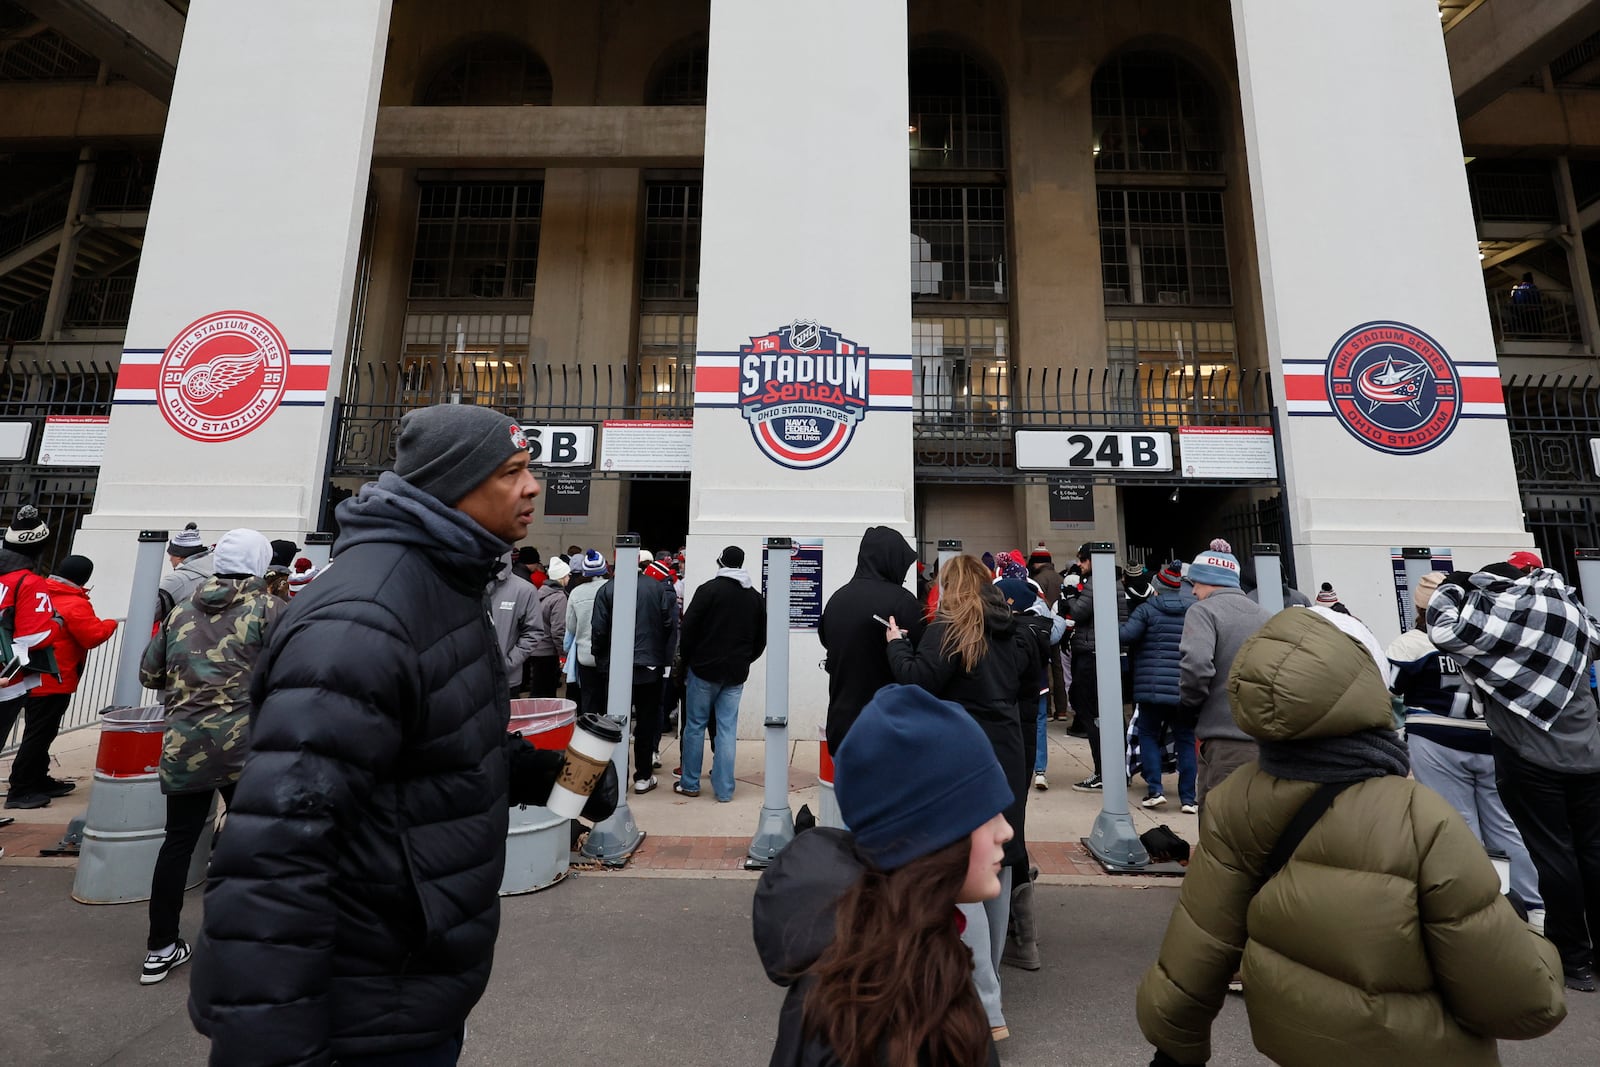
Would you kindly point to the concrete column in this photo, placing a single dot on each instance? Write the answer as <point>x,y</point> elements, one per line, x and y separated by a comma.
<point>803,378</point>
<point>241,312</point>
<point>1382,382</point>
<point>1577,257</point>
<point>55,306</point>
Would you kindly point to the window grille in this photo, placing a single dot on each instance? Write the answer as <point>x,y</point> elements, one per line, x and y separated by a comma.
<point>958,242</point>
<point>477,240</point>
<point>682,83</point>
<point>492,73</point>
<point>666,364</point>
<point>1152,112</point>
<point>1163,246</point>
<point>957,121</point>
<point>671,260</point>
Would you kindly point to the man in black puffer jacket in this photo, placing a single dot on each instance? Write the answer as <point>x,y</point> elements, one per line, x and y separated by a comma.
<point>857,664</point>
<point>352,905</point>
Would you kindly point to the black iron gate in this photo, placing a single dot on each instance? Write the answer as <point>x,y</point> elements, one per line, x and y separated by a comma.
<point>1555,443</point>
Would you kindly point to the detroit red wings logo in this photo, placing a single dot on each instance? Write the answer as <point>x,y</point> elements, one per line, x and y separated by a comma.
<point>222,376</point>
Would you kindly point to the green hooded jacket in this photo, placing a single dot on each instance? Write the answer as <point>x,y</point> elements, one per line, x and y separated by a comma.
<point>201,659</point>
<point>1384,939</point>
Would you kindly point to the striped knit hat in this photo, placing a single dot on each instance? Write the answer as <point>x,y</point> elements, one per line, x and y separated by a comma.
<point>1215,566</point>
<point>1171,575</point>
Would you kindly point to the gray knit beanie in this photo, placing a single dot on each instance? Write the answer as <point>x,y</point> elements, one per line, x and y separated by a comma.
<point>449,449</point>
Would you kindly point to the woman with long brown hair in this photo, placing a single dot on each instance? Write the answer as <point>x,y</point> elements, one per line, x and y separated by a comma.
<point>862,924</point>
<point>976,655</point>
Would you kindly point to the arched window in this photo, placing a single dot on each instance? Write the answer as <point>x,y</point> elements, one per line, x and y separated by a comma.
<point>493,72</point>
<point>1153,112</point>
<point>957,121</point>
<point>681,83</point>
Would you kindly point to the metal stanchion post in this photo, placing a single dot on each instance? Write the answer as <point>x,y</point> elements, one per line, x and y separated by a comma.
<point>319,547</point>
<point>614,840</point>
<point>1419,561</point>
<point>141,613</point>
<point>776,828</point>
<point>1269,576</point>
<point>948,550</point>
<point>1113,840</point>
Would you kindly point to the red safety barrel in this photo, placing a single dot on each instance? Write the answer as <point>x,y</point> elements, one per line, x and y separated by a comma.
<point>545,722</point>
<point>130,741</point>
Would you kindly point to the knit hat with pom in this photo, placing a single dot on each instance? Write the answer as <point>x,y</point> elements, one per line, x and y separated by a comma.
<point>1215,566</point>
<point>1326,595</point>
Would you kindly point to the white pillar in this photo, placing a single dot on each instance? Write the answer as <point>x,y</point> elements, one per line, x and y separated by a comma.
<point>241,310</point>
<point>1394,426</point>
<point>803,255</point>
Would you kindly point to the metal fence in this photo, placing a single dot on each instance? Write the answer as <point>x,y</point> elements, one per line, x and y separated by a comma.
<point>1543,315</point>
<point>1555,424</point>
<point>1518,196</point>
<point>100,303</point>
<point>40,214</point>
<point>97,681</point>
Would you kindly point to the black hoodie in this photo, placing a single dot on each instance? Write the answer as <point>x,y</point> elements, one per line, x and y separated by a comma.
<point>352,906</point>
<point>857,664</point>
<point>792,919</point>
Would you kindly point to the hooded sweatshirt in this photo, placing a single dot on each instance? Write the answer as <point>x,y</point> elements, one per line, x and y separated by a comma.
<point>793,922</point>
<point>857,664</point>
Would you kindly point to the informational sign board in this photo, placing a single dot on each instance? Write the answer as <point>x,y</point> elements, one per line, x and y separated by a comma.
<point>560,446</point>
<point>805,583</point>
<point>648,447</point>
<point>1442,561</point>
<point>1118,450</point>
<point>73,440</point>
<point>14,438</point>
<point>1071,504</point>
<point>566,496</point>
<point>1227,452</point>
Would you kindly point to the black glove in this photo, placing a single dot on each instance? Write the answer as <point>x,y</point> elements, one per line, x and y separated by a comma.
<point>533,771</point>
<point>1161,1059</point>
<point>603,801</point>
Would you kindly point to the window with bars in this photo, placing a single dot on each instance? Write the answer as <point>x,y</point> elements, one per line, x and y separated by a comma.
<point>958,242</point>
<point>666,364</point>
<point>682,83</point>
<point>1163,246</point>
<point>477,240</point>
<point>1172,370</point>
<point>957,121</point>
<point>1152,112</point>
<point>466,358</point>
<point>963,369</point>
<point>491,73</point>
<point>671,260</point>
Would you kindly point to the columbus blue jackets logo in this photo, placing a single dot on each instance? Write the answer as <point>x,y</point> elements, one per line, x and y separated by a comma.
<point>803,389</point>
<point>1393,387</point>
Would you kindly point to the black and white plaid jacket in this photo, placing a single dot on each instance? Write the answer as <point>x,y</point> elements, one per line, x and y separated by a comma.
<point>1524,643</point>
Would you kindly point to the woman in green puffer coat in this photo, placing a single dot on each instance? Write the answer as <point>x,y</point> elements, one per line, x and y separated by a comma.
<point>1384,939</point>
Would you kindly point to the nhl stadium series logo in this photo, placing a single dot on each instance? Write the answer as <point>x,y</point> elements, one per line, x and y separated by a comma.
<point>1393,387</point>
<point>803,389</point>
<point>222,376</point>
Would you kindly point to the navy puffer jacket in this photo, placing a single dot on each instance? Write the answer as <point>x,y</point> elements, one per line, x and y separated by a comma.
<point>1152,634</point>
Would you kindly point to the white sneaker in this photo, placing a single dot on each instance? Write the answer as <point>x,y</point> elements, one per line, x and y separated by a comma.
<point>1191,809</point>
<point>1536,920</point>
<point>1154,800</point>
<point>157,965</point>
<point>644,785</point>
<point>1040,782</point>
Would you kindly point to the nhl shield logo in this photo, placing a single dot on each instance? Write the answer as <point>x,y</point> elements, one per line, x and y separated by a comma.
<point>803,389</point>
<point>1394,388</point>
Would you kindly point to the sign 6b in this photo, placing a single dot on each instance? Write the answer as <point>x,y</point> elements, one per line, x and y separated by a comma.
<point>1055,450</point>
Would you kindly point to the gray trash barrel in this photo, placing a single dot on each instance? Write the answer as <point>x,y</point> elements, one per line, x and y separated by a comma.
<point>127,816</point>
<point>538,841</point>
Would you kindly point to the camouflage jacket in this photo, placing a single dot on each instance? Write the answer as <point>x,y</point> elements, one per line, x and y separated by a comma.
<point>201,659</point>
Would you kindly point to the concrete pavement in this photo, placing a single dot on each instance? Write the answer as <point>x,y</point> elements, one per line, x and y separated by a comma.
<point>622,970</point>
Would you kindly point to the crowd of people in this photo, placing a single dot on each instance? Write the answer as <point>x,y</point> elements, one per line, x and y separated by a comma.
<point>352,901</point>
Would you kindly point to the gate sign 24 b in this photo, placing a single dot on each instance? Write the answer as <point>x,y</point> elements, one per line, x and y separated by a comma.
<point>1119,450</point>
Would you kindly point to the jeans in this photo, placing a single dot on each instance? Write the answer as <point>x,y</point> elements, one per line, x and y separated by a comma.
<point>985,935</point>
<point>186,821</point>
<point>1152,717</point>
<point>1043,758</point>
<point>42,723</point>
<point>1084,694</point>
<point>445,1054</point>
<point>706,702</point>
<point>1559,816</point>
<point>1466,780</point>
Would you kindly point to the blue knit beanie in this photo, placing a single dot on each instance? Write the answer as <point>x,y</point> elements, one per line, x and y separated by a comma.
<point>914,774</point>
<point>592,564</point>
<point>1017,593</point>
<point>1215,566</point>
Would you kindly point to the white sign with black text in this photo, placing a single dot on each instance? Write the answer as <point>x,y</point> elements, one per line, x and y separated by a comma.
<point>560,446</point>
<point>1121,450</point>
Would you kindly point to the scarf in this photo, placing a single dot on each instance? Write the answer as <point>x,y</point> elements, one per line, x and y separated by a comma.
<point>1524,643</point>
<point>1354,758</point>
